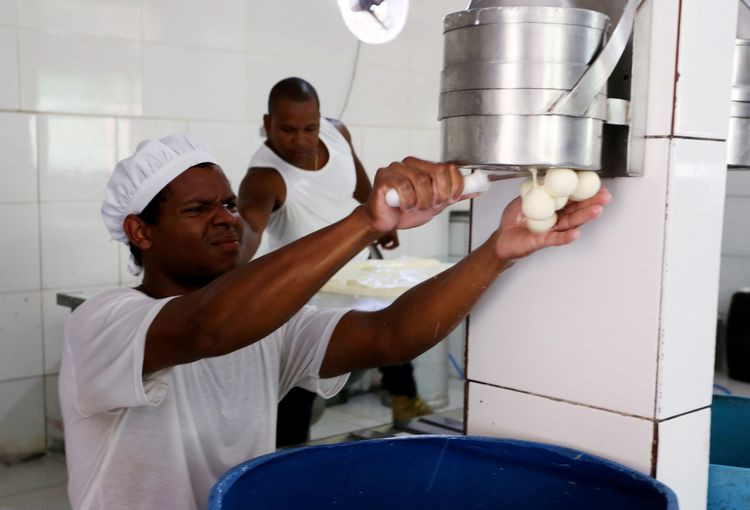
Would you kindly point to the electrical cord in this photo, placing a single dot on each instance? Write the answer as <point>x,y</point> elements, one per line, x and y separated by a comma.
<point>351,79</point>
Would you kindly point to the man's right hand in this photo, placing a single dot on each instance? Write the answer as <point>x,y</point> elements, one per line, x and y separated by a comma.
<point>424,189</point>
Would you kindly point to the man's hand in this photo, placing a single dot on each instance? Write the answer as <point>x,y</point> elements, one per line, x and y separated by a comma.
<point>389,241</point>
<point>424,189</point>
<point>514,240</point>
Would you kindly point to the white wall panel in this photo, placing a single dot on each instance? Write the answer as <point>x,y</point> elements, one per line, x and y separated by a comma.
<point>76,249</point>
<point>76,157</point>
<point>682,457</point>
<point>8,12</point>
<point>499,412</point>
<point>21,418</point>
<point>590,309</point>
<point>9,86</point>
<point>19,249</point>
<point>691,276</point>
<point>18,162</point>
<point>79,74</point>
<point>218,24</point>
<point>191,83</point>
<point>107,18</point>
<point>20,335</point>
<point>704,67</point>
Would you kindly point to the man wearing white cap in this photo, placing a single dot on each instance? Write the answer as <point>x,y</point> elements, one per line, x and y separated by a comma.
<point>166,386</point>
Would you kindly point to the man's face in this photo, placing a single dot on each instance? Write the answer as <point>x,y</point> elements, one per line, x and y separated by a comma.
<point>197,237</point>
<point>293,130</point>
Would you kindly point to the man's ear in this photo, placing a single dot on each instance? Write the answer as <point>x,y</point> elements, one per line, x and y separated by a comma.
<point>267,124</point>
<point>138,232</point>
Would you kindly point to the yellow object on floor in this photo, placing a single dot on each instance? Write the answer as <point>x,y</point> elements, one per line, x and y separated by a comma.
<point>407,408</point>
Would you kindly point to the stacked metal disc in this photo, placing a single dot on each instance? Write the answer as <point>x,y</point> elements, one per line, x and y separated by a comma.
<point>504,67</point>
<point>738,141</point>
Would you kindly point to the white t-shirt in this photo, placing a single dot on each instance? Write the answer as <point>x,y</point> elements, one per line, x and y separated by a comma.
<point>161,441</point>
<point>314,198</point>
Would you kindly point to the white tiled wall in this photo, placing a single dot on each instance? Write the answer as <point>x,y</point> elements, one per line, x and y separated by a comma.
<point>83,81</point>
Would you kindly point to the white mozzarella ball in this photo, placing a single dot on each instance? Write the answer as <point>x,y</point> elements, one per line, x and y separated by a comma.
<point>526,186</point>
<point>560,182</point>
<point>540,227</point>
<point>560,202</point>
<point>588,184</point>
<point>538,204</point>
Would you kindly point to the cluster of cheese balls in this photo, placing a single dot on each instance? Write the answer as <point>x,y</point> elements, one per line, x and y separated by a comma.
<point>542,198</point>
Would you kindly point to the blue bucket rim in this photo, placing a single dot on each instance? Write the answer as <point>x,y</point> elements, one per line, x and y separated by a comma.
<point>227,480</point>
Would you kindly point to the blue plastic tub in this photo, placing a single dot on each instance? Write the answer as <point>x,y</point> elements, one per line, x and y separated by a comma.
<point>729,471</point>
<point>437,472</point>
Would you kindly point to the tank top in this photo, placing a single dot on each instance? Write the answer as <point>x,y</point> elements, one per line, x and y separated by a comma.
<point>314,198</point>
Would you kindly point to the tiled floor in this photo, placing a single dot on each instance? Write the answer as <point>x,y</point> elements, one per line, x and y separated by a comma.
<point>41,484</point>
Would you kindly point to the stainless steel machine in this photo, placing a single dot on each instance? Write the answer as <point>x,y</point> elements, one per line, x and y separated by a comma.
<point>526,85</point>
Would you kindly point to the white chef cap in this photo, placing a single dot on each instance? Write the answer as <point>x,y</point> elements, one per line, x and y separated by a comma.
<point>139,178</point>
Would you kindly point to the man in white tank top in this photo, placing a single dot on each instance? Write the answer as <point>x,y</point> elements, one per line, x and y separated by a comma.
<point>305,177</point>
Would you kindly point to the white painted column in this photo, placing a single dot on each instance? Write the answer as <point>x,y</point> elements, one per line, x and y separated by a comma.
<point>607,345</point>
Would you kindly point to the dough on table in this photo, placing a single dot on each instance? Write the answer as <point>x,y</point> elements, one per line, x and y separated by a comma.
<point>383,278</point>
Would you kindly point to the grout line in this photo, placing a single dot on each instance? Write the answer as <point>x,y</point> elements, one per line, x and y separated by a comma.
<point>561,400</point>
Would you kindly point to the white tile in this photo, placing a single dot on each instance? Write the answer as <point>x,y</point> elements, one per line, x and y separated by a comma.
<point>90,259</point>
<point>358,139</point>
<point>76,157</point>
<point>108,18</point>
<point>738,183</point>
<point>331,82</point>
<point>379,97</point>
<point>19,250</point>
<point>704,66</point>
<point>550,327</point>
<point>21,418</point>
<point>394,54</point>
<point>27,476</point>
<point>8,12</point>
<point>682,457</point>
<point>219,24</point>
<point>9,87</point>
<point>232,143</point>
<point>735,275</point>
<point>53,415</point>
<point>48,498</point>
<point>425,144</point>
<point>18,168</point>
<point>382,146</point>
<point>431,239</point>
<point>424,33</point>
<point>424,97</point>
<point>497,412</point>
<point>20,335</point>
<point>655,58</point>
<point>691,276</point>
<point>298,29</point>
<point>79,74</point>
<point>192,83</point>
<point>735,240</point>
<point>131,132</point>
